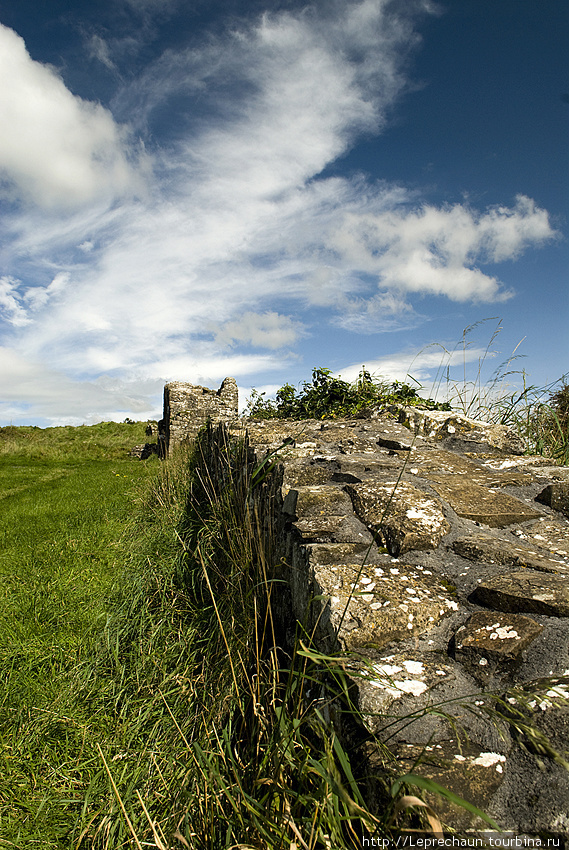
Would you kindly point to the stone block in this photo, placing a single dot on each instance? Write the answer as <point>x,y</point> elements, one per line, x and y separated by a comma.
<point>467,771</point>
<point>527,591</point>
<point>556,496</point>
<point>477,503</point>
<point>494,638</point>
<point>460,431</point>
<point>377,605</point>
<point>400,515</point>
<point>332,528</point>
<point>492,550</point>
<point>548,534</point>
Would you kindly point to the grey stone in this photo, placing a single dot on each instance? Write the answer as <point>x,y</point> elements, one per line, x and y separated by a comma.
<point>369,605</point>
<point>322,500</point>
<point>550,535</point>
<point>556,496</point>
<point>332,528</point>
<point>144,451</point>
<point>493,550</point>
<point>452,427</point>
<point>477,503</point>
<point>188,407</point>
<point>402,516</point>
<point>494,637</point>
<point>525,591</point>
<point>392,435</point>
<point>463,768</point>
<point>438,464</point>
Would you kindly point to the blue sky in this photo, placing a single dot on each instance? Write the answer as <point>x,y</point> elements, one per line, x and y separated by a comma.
<point>190,190</point>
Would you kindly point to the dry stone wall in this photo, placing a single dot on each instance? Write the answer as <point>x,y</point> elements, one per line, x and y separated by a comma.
<point>438,558</point>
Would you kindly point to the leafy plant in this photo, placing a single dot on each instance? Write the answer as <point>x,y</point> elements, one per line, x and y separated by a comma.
<point>329,397</point>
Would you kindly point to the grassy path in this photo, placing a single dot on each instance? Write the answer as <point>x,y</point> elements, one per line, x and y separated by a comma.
<point>65,499</point>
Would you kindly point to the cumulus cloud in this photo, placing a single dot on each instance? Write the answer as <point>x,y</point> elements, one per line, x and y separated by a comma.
<point>55,149</point>
<point>434,250</point>
<point>240,241</point>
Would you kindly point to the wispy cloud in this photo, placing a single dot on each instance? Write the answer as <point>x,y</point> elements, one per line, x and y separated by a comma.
<point>236,239</point>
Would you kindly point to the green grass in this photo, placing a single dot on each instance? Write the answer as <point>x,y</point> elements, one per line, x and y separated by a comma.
<point>65,498</point>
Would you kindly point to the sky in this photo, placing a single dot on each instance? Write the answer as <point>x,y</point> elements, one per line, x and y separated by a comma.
<point>191,189</point>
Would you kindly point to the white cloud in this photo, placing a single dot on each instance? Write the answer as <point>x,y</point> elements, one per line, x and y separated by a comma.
<point>32,390</point>
<point>434,250</point>
<point>55,149</point>
<point>99,49</point>
<point>11,302</point>
<point>266,330</point>
<point>239,240</point>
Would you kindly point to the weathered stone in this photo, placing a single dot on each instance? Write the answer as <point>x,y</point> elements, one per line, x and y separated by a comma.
<point>438,464</point>
<point>338,553</point>
<point>439,425</point>
<point>144,451</point>
<point>556,496</point>
<point>401,683</point>
<point>492,550</point>
<point>188,407</point>
<point>303,472</point>
<point>429,462</point>
<point>467,771</point>
<point>332,528</point>
<point>345,440</point>
<point>525,591</point>
<point>549,534</point>
<point>323,514</point>
<point>322,500</point>
<point>377,605</point>
<point>364,467</point>
<point>477,503</point>
<point>402,516</point>
<point>395,436</point>
<point>271,433</point>
<point>495,637</point>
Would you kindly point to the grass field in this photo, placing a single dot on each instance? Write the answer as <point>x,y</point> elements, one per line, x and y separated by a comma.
<point>66,495</point>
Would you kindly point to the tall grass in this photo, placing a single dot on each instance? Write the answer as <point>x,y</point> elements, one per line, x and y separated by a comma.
<point>220,737</point>
<point>503,395</point>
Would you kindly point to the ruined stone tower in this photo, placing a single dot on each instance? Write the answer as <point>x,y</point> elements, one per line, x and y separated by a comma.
<point>187,407</point>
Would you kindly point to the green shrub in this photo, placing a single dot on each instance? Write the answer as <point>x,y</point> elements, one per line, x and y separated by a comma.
<point>328,397</point>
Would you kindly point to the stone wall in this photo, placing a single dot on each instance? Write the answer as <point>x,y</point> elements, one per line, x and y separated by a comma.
<point>187,407</point>
<point>438,559</point>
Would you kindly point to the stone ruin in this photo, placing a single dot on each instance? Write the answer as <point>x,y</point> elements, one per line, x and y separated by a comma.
<point>436,555</point>
<point>187,408</point>
<point>429,547</point>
